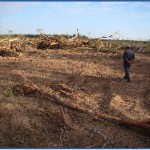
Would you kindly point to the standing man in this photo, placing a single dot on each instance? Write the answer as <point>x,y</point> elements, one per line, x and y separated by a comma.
<point>128,57</point>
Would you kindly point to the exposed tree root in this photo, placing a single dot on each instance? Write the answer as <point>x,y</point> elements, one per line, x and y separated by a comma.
<point>33,89</point>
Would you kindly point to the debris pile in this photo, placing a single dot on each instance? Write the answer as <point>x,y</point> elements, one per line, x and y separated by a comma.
<point>15,45</point>
<point>12,46</point>
<point>61,42</point>
<point>48,42</point>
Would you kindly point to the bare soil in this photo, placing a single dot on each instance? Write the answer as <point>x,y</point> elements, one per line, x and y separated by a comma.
<point>92,80</point>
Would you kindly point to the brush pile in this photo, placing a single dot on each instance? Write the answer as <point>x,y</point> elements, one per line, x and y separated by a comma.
<point>61,42</point>
<point>13,46</point>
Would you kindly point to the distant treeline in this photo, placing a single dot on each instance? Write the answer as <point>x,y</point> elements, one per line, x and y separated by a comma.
<point>69,36</point>
<point>37,35</point>
<point>16,35</point>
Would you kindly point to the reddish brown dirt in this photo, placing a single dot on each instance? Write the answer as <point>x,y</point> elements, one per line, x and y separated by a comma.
<point>91,79</point>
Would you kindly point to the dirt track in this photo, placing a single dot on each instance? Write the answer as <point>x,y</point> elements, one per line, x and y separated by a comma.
<point>92,80</point>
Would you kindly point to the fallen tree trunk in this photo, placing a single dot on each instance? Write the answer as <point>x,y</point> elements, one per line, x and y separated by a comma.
<point>33,89</point>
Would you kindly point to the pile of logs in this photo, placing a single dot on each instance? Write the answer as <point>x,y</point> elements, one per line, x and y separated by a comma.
<point>20,44</point>
<point>12,46</point>
<point>43,42</point>
<point>50,42</point>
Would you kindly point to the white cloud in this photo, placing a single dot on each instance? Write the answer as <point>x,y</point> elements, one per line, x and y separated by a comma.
<point>137,15</point>
<point>9,7</point>
<point>112,3</point>
<point>128,9</point>
<point>54,4</point>
<point>82,3</point>
<point>140,4</point>
<point>146,5</point>
<point>75,11</point>
<point>85,8</point>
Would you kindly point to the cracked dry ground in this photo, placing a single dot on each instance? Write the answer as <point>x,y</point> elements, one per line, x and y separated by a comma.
<point>92,80</point>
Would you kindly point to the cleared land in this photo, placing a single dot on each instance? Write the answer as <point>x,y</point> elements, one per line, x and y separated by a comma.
<point>65,97</point>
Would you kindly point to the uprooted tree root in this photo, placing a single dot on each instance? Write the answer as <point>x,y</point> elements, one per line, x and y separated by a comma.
<point>30,88</point>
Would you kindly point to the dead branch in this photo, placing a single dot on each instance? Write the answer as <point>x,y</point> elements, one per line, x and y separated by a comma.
<point>98,132</point>
<point>62,131</point>
<point>105,137</point>
<point>66,118</point>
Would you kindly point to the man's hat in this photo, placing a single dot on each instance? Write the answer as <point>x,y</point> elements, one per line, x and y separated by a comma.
<point>128,47</point>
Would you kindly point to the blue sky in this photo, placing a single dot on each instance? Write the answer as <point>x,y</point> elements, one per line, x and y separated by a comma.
<point>93,19</point>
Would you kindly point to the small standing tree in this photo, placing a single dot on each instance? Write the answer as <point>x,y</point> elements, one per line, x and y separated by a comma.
<point>0,28</point>
<point>39,31</point>
<point>9,33</point>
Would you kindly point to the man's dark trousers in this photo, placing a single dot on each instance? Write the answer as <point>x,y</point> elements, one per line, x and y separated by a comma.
<point>126,70</point>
